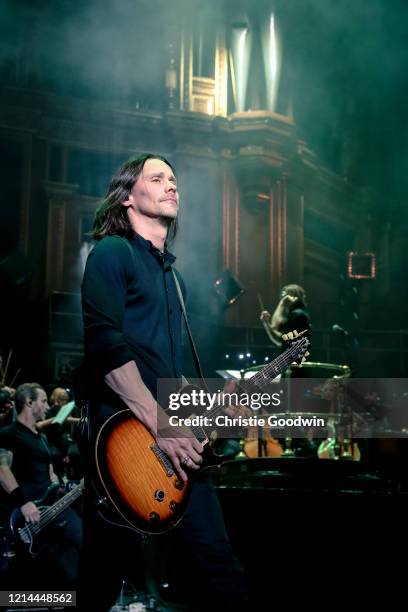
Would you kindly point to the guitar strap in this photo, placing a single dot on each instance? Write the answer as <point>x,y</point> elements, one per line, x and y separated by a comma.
<point>190,335</point>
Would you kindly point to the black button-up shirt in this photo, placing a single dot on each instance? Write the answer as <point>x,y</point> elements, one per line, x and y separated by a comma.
<point>131,309</point>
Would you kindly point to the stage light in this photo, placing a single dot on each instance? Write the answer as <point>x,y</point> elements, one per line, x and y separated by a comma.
<point>228,288</point>
<point>240,45</point>
<point>273,51</point>
<point>361,265</point>
<point>272,60</point>
<point>228,374</point>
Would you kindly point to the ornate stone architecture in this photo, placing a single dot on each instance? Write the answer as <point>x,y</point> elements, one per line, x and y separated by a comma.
<point>255,199</point>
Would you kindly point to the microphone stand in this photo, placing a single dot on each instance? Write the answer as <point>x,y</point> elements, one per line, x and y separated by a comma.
<point>262,443</point>
<point>349,343</point>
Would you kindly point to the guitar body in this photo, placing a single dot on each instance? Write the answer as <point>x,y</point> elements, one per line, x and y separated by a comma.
<point>137,480</point>
<point>8,551</point>
<point>17,522</point>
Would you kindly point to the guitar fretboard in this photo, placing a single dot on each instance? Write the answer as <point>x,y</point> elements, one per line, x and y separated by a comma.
<point>261,378</point>
<point>53,511</point>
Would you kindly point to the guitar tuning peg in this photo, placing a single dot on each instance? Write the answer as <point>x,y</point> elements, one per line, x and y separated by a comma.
<point>284,337</point>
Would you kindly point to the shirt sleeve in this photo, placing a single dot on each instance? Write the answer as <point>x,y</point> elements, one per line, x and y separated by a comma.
<point>298,319</point>
<point>108,272</point>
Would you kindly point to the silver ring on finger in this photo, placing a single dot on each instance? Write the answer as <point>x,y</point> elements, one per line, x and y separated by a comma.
<point>185,460</point>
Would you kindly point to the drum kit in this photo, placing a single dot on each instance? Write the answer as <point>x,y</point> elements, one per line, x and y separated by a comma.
<point>313,389</point>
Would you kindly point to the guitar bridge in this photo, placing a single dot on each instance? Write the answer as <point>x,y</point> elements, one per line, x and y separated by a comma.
<point>163,458</point>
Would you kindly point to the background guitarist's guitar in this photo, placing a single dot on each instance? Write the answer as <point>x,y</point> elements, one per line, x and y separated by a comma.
<point>27,533</point>
<point>135,480</point>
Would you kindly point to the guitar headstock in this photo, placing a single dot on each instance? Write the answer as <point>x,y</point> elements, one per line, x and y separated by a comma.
<point>299,343</point>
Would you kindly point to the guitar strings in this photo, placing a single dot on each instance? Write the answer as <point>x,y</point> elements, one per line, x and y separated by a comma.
<point>48,515</point>
<point>282,361</point>
<point>261,380</point>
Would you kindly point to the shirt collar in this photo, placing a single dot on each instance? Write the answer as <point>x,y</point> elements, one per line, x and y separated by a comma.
<point>166,257</point>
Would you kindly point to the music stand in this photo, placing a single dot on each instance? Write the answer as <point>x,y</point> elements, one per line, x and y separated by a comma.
<point>63,413</point>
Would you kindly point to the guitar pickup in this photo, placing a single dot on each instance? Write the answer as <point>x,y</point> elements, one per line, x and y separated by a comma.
<point>22,531</point>
<point>163,458</point>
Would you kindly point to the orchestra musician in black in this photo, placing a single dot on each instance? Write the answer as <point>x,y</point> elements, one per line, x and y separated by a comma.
<point>26,475</point>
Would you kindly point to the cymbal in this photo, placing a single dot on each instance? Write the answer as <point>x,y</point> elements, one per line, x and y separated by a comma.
<point>317,369</point>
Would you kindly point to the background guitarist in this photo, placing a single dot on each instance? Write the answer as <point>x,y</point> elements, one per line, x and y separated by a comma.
<point>26,472</point>
<point>132,333</point>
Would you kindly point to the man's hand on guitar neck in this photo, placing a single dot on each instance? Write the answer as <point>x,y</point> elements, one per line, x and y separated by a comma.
<point>235,410</point>
<point>238,411</point>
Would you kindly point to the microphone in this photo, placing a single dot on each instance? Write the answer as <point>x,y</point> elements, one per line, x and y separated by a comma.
<point>339,330</point>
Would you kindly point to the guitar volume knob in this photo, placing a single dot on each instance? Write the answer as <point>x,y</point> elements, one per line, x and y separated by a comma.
<point>159,495</point>
<point>179,484</point>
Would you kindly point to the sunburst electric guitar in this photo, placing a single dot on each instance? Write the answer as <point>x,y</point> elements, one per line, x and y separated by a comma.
<point>135,481</point>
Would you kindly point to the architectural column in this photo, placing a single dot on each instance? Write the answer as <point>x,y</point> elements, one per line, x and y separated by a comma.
<point>293,202</point>
<point>59,197</point>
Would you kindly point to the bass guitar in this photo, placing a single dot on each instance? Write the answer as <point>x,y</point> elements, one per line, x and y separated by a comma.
<point>135,481</point>
<point>27,533</point>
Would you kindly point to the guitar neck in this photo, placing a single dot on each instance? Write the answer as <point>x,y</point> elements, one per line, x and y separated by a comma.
<point>261,379</point>
<point>59,506</point>
<point>277,366</point>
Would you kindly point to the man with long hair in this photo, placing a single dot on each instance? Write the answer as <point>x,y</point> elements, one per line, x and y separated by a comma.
<point>132,337</point>
<point>289,314</point>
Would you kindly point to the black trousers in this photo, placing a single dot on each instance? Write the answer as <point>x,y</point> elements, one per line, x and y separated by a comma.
<point>216,580</point>
<point>65,546</point>
<point>113,554</point>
